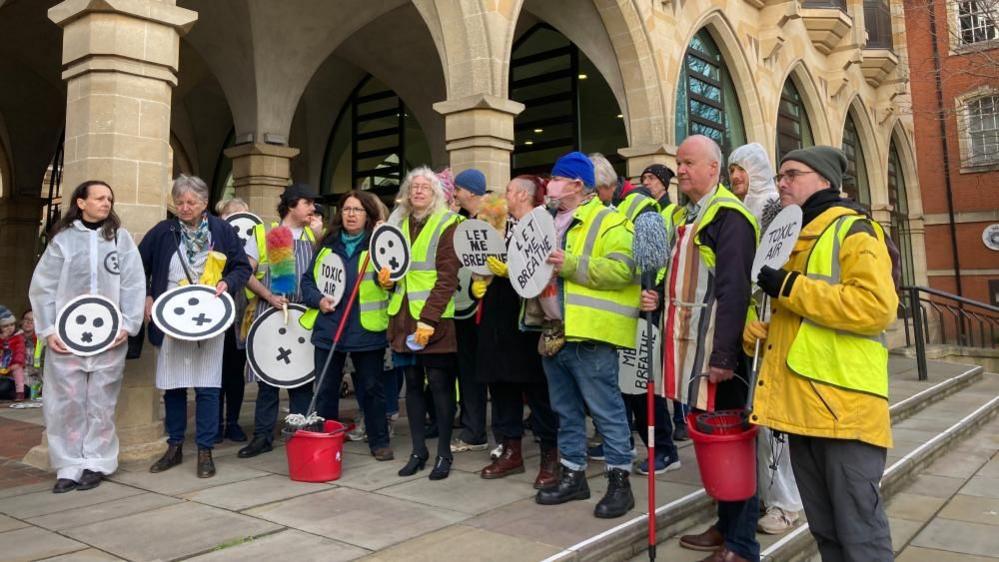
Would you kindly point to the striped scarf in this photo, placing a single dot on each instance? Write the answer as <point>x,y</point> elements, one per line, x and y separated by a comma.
<point>195,239</point>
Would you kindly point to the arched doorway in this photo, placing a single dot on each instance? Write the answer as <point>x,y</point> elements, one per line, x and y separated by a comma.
<point>855,184</point>
<point>794,129</point>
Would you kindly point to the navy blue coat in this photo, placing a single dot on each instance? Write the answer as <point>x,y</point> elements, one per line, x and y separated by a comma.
<point>160,244</point>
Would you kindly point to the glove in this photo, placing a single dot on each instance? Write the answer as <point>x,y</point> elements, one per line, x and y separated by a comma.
<point>754,330</point>
<point>423,333</point>
<point>383,279</point>
<point>479,287</point>
<point>771,280</point>
<point>497,266</point>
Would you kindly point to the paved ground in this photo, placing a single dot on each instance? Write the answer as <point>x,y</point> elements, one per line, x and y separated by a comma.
<point>251,510</point>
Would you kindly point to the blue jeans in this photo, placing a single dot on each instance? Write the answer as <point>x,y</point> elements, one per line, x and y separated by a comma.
<point>737,523</point>
<point>638,405</point>
<point>206,415</point>
<point>583,375</point>
<point>266,412</point>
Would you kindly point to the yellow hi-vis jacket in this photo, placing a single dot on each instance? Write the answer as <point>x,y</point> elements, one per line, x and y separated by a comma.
<point>372,299</point>
<point>634,203</point>
<point>422,274</point>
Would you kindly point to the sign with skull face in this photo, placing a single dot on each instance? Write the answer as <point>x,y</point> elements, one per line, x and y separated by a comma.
<point>88,325</point>
<point>464,302</point>
<point>193,312</point>
<point>243,224</point>
<point>280,354</point>
<point>390,249</point>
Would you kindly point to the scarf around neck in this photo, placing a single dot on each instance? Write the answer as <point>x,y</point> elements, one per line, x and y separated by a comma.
<point>195,239</point>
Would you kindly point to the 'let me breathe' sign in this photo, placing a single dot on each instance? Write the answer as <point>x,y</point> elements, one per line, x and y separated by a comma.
<point>532,241</point>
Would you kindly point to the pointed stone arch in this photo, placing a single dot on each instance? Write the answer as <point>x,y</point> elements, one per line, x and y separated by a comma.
<point>873,152</point>
<point>811,97</point>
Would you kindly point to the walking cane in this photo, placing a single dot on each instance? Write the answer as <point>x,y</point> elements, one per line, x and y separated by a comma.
<point>651,252</point>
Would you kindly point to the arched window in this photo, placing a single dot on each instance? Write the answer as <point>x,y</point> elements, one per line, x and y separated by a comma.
<point>793,128</point>
<point>855,183</point>
<point>899,201</point>
<point>706,100</point>
<point>373,143</point>
<point>568,104</point>
<point>222,184</point>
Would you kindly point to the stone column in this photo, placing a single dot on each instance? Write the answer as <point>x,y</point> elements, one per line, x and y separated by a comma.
<point>20,221</point>
<point>478,130</point>
<point>120,64</point>
<point>260,172</point>
<point>643,156</point>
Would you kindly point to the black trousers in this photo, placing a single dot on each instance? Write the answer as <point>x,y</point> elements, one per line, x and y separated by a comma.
<point>508,411</point>
<point>637,405</point>
<point>233,381</point>
<point>369,386</point>
<point>472,393</point>
<point>441,385</point>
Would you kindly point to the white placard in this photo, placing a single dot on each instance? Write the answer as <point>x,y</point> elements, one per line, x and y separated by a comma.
<point>388,248</point>
<point>476,240</point>
<point>633,364</point>
<point>193,312</point>
<point>88,325</point>
<point>332,279</point>
<point>243,224</point>
<point>990,236</point>
<point>778,241</point>
<point>464,302</point>
<point>532,241</point>
<point>280,354</point>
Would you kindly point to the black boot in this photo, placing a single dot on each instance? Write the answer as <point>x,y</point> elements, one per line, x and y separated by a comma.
<point>90,479</point>
<point>442,468</point>
<point>416,462</point>
<point>171,458</point>
<point>64,485</point>
<point>258,445</point>
<point>572,486</point>
<point>618,499</point>
<point>206,466</point>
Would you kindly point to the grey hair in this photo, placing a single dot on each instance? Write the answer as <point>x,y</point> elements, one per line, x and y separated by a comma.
<point>229,206</point>
<point>527,185</point>
<point>190,184</point>
<point>714,151</point>
<point>438,203</point>
<point>603,172</point>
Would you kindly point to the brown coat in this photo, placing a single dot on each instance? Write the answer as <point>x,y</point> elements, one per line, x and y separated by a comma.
<point>403,324</point>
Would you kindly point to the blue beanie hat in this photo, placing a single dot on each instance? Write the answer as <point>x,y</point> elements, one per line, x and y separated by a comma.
<point>6,316</point>
<point>473,180</point>
<point>575,166</point>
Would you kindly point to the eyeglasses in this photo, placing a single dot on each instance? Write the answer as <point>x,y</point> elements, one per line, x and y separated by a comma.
<point>791,175</point>
<point>353,210</point>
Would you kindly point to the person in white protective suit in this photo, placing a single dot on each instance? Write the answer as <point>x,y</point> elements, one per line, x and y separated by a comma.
<point>752,179</point>
<point>89,253</point>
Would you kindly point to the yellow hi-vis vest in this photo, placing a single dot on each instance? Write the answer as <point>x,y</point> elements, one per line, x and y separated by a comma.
<point>260,236</point>
<point>372,300</point>
<point>635,203</point>
<point>609,316</point>
<point>422,274</point>
<point>837,357</point>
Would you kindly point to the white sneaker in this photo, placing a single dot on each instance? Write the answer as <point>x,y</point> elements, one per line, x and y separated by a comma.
<point>776,521</point>
<point>459,446</point>
<point>358,433</point>
<point>497,452</point>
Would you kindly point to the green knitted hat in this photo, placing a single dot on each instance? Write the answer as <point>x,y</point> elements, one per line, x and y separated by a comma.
<point>829,162</point>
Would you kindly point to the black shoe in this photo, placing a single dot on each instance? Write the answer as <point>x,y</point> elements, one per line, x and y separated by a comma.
<point>206,466</point>
<point>441,468</point>
<point>680,433</point>
<point>572,486</point>
<point>64,485</point>
<point>258,445</point>
<point>618,499</point>
<point>171,458</point>
<point>416,463</point>
<point>235,433</point>
<point>90,479</point>
<point>220,435</point>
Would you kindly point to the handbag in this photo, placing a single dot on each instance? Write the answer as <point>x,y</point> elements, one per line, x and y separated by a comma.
<point>552,338</point>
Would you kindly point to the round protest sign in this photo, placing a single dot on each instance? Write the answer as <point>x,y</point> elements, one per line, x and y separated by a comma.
<point>281,354</point>
<point>778,241</point>
<point>389,249</point>
<point>476,240</point>
<point>532,240</point>
<point>193,312</point>
<point>332,278</point>
<point>88,325</point>
<point>243,224</point>
<point>633,364</point>
<point>464,302</point>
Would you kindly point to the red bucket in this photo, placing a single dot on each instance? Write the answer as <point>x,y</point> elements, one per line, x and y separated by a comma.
<point>726,453</point>
<point>316,456</point>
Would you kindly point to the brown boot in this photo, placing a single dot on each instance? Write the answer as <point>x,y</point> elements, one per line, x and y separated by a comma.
<point>206,466</point>
<point>510,462</point>
<point>548,473</point>
<point>709,540</point>
<point>724,555</point>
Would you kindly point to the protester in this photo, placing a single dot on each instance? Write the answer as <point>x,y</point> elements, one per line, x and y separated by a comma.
<point>421,310</point>
<point>713,244</point>
<point>608,184</point>
<point>508,356</point>
<point>33,348</point>
<point>175,252</point>
<point>364,334</point>
<point>651,194</point>
<point>750,173</point>
<point>590,310</point>
<point>824,378</point>
<point>295,208</point>
<point>12,352</point>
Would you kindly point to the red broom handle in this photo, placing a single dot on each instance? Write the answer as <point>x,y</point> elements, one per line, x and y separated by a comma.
<point>350,303</point>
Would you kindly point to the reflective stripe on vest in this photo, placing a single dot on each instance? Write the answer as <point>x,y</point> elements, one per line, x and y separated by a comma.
<point>837,357</point>
<point>634,204</point>
<point>422,275</point>
<point>372,299</point>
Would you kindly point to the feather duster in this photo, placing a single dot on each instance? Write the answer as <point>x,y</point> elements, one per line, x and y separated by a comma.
<point>281,255</point>
<point>493,210</point>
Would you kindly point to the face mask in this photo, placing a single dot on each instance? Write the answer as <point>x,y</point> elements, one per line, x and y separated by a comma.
<point>554,198</point>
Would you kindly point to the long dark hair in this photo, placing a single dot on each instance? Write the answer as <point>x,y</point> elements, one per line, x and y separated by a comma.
<point>371,208</point>
<point>109,229</point>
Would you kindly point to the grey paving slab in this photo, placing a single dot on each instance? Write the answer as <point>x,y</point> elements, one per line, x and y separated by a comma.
<point>975,509</point>
<point>101,512</point>
<point>43,503</point>
<point>557,525</point>
<point>26,489</point>
<point>32,543</point>
<point>238,496</point>
<point>958,464</point>
<point>460,542</point>
<point>9,524</point>
<point>902,531</point>
<point>182,479</point>
<point>88,555</point>
<point>461,491</point>
<point>927,422</point>
<point>914,507</point>
<point>934,486</point>
<point>366,520</point>
<point>171,532</point>
<point>991,468</point>
<point>982,486</point>
<point>959,536</point>
<point>275,462</point>
<point>379,475</point>
<point>916,554</point>
<point>285,545</point>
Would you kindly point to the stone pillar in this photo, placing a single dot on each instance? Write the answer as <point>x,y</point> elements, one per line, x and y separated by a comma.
<point>478,130</point>
<point>120,64</point>
<point>643,156</point>
<point>20,221</point>
<point>260,172</point>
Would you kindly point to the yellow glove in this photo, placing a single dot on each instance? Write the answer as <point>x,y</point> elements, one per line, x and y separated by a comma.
<point>754,330</point>
<point>479,287</point>
<point>384,280</point>
<point>423,333</point>
<point>497,266</point>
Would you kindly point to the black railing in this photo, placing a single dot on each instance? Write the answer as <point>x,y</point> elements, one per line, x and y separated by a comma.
<point>962,322</point>
<point>877,19</point>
